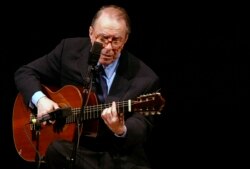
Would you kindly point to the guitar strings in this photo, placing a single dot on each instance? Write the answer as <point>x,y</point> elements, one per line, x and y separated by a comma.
<point>93,111</point>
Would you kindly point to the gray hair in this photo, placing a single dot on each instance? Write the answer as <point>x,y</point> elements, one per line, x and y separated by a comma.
<point>118,12</point>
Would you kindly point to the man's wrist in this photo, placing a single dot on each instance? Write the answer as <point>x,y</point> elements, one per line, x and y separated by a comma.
<point>37,96</point>
<point>123,133</point>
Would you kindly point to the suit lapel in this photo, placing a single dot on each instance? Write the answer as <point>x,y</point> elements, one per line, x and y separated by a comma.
<point>118,89</point>
<point>122,80</point>
<point>82,62</point>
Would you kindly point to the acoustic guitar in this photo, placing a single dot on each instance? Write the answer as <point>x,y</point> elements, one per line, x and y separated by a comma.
<point>31,137</point>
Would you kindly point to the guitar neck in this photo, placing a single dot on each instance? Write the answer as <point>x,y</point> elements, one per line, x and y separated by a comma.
<point>94,111</point>
<point>149,104</point>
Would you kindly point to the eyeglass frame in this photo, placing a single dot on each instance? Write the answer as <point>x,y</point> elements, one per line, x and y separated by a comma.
<point>106,39</point>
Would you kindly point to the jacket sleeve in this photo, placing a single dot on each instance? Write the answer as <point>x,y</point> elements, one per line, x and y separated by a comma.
<point>46,69</point>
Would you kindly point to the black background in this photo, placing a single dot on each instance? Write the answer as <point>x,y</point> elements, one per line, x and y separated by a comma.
<point>200,52</point>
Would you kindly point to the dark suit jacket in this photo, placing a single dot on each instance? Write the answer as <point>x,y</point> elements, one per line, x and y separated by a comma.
<point>68,64</point>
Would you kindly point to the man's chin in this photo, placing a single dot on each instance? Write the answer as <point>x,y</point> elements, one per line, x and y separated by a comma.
<point>106,61</point>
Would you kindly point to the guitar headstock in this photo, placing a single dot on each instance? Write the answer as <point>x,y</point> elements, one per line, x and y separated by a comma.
<point>149,104</point>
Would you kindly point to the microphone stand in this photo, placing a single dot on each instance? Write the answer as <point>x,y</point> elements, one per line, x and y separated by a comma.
<point>94,56</point>
<point>86,93</point>
<point>37,138</point>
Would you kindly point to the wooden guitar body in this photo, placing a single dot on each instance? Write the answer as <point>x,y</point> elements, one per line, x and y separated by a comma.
<point>32,138</point>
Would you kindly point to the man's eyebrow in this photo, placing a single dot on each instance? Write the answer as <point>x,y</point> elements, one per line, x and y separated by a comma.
<point>105,35</point>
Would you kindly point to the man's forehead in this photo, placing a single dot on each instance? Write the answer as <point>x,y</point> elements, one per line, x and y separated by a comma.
<point>110,20</point>
<point>111,25</point>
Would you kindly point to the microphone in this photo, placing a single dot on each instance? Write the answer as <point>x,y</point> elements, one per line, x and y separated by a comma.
<point>54,115</point>
<point>95,53</point>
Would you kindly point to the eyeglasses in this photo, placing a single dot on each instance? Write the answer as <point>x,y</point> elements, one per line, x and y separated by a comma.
<point>116,42</point>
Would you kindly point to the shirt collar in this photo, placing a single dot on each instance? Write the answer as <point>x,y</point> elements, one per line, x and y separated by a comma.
<point>110,69</point>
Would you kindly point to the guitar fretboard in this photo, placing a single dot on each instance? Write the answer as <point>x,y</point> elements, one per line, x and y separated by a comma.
<point>93,112</point>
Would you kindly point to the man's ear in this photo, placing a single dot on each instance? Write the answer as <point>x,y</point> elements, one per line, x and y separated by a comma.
<point>91,31</point>
<point>126,38</point>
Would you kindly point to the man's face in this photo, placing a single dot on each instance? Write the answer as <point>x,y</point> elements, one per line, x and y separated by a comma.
<point>112,34</point>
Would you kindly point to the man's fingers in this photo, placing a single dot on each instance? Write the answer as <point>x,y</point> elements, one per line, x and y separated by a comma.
<point>113,109</point>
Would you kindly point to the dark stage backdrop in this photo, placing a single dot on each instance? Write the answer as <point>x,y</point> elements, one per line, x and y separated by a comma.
<point>200,54</point>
